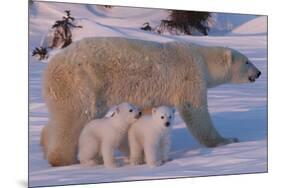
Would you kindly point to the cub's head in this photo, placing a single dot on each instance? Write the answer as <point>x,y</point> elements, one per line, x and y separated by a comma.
<point>164,115</point>
<point>242,69</point>
<point>127,112</point>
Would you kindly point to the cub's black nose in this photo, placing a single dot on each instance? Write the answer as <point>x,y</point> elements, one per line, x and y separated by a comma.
<point>138,115</point>
<point>259,73</point>
<point>167,124</point>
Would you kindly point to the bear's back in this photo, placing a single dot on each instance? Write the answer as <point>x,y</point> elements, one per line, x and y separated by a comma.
<point>109,51</point>
<point>119,66</point>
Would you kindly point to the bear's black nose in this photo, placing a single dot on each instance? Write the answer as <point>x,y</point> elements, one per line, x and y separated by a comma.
<point>140,113</point>
<point>259,73</point>
<point>167,124</point>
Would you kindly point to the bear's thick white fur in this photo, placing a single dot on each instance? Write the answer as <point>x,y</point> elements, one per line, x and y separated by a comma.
<point>90,75</point>
<point>101,137</point>
<point>150,135</point>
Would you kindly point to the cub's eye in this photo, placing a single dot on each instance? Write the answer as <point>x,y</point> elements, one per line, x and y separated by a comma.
<point>162,117</point>
<point>247,62</point>
<point>131,110</point>
<point>170,117</point>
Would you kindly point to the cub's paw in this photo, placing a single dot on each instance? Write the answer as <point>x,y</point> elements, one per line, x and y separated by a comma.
<point>135,162</point>
<point>154,163</point>
<point>126,160</point>
<point>88,163</point>
<point>111,165</point>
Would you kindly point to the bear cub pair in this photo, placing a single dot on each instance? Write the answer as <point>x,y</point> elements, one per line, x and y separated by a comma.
<point>148,136</point>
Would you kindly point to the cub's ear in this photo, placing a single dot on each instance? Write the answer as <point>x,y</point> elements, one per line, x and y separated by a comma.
<point>115,111</point>
<point>113,114</point>
<point>153,110</point>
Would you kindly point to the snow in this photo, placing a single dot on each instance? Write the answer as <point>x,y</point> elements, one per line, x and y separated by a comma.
<point>236,110</point>
<point>222,23</point>
<point>255,26</point>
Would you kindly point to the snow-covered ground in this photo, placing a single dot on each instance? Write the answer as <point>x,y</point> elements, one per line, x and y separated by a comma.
<point>237,110</point>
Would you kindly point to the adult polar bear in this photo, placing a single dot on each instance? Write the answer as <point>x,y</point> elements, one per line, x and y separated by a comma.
<point>91,75</point>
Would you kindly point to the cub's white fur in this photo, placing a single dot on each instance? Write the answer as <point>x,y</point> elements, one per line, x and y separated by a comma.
<point>150,135</point>
<point>101,137</point>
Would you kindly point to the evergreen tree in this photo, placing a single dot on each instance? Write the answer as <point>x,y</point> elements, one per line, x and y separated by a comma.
<point>62,35</point>
<point>185,21</point>
<point>41,52</point>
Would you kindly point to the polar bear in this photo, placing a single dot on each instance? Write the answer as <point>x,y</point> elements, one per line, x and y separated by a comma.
<point>124,145</point>
<point>150,135</point>
<point>87,77</point>
<point>101,137</point>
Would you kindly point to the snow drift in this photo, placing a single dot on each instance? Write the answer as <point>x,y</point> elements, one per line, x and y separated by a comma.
<point>256,26</point>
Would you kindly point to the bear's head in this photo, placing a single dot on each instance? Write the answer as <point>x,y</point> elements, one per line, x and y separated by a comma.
<point>242,69</point>
<point>164,116</point>
<point>226,65</point>
<point>127,113</point>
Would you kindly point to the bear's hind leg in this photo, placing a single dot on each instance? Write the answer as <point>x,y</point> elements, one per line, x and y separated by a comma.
<point>88,152</point>
<point>44,140</point>
<point>63,140</point>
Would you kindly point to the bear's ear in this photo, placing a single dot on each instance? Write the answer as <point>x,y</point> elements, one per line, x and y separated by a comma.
<point>153,110</point>
<point>227,56</point>
<point>173,110</point>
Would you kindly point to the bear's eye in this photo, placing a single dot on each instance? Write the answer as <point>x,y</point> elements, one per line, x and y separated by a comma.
<point>247,62</point>
<point>162,117</point>
<point>170,117</point>
<point>131,110</point>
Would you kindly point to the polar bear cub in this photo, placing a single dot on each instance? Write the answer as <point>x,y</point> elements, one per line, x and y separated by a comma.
<point>151,135</point>
<point>101,137</point>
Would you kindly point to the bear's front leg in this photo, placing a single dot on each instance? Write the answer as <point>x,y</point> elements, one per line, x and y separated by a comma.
<point>107,151</point>
<point>135,148</point>
<point>150,152</point>
<point>165,146</point>
<point>200,125</point>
